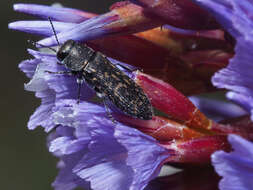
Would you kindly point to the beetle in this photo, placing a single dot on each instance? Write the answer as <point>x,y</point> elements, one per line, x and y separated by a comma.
<point>108,81</point>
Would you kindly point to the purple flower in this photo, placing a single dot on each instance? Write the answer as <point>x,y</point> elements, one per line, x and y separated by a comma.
<point>84,133</point>
<point>106,153</point>
<point>236,18</point>
<point>93,151</point>
<point>236,167</point>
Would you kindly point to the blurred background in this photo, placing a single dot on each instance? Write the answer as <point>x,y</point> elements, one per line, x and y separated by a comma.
<point>25,161</point>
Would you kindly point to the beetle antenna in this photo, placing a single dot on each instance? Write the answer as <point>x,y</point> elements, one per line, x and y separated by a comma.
<point>53,30</point>
<point>35,44</point>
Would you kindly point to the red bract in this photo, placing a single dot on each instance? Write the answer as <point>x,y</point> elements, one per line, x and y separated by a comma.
<point>170,101</point>
<point>189,133</point>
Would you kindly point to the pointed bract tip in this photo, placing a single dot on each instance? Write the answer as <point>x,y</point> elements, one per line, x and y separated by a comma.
<point>17,25</point>
<point>11,25</point>
<point>18,6</point>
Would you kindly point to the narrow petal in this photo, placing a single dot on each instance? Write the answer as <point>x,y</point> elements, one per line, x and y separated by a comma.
<point>245,101</point>
<point>43,28</point>
<point>215,34</point>
<point>217,109</point>
<point>122,19</point>
<point>222,11</point>
<point>43,55</point>
<point>56,13</point>
<point>87,30</point>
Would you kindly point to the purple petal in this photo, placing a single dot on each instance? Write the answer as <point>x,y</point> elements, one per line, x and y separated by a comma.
<point>56,13</point>
<point>222,10</point>
<point>145,155</point>
<point>40,27</point>
<point>180,30</point>
<point>113,175</point>
<point>217,109</point>
<point>104,164</point>
<point>29,66</point>
<point>87,30</point>
<point>243,17</point>
<point>237,76</point>
<point>113,162</point>
<point>245,101</point>
<point>42,55</point>
<point>236,18</point>
<point>66,87</point>
<point>236,167</point>
<point>126,68</point>
<point>66,145</point>
<point>42,115</point>
<point>38,83</point>
<point>79,116</point>
<point>59,143</point>
<point>66,179</point>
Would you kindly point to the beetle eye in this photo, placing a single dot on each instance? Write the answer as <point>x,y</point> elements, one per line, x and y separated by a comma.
<point>65,50</point>
<point>61,55</point>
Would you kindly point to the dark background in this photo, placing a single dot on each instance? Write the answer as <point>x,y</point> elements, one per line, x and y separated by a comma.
<point>25,163</point>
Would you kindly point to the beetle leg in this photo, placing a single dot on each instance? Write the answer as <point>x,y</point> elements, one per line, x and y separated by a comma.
<point>78,93</point>
<point>108,111</point>
<point>79,82</point>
